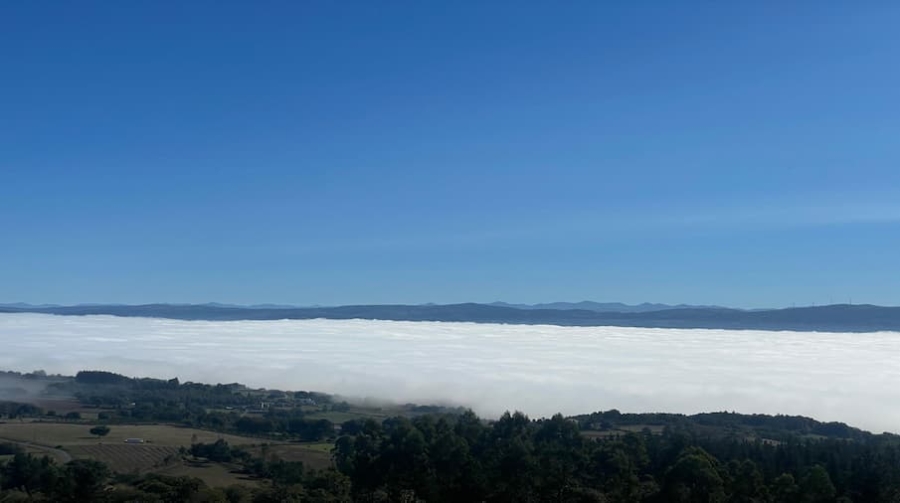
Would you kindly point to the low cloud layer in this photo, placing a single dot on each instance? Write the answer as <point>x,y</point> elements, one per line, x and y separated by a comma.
<point>491,368</point>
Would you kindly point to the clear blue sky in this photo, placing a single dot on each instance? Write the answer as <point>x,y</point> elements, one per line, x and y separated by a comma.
<point>377,152</point>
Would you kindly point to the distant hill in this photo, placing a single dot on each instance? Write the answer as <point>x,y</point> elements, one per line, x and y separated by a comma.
<point>24,305</point>
<point>603,307</point>
<point>725,425</point>
<point>834,318</point>
<point>253,306</point>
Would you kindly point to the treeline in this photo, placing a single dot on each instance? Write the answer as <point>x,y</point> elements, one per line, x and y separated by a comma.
<point>771,427</point>
<point>108,389</point>
<point>15,410</point>
<point>448,459</point>
<point>220,407</point>
<point>227,408</point>
<point>289,423</point>
<point>29,478</point>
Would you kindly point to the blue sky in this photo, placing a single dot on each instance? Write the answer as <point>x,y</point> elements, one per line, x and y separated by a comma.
<point>380,152</point>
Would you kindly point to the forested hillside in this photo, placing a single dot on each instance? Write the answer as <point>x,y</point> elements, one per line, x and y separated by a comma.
<point>432,454</point>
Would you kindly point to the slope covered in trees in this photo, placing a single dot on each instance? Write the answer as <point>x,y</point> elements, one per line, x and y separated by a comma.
<point>452,458</point>
<point>434,454</point>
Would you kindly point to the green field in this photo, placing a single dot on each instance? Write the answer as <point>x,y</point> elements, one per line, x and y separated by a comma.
<point>126,458</point>
<point>159,453</point>
<point>213,474</point>
<point>74,434</point>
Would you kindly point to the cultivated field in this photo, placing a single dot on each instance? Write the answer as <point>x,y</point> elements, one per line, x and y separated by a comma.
<point>126,458</point>
<point>214,474</point>
<point>75,434</point>
<point>161,445</point>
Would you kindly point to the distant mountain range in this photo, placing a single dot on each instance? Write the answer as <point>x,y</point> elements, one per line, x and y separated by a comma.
<point>604,307</point>
<point>25,305</point>
<point>600,307</point>
<point>833,318</point>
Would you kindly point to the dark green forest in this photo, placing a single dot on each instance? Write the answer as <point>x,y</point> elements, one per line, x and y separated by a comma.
<point>444,459</point>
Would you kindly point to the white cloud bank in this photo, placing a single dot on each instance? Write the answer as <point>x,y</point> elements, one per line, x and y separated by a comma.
<point>541,370</point>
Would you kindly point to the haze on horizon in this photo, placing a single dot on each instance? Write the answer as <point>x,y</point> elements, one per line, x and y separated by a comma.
<point>491,368</point>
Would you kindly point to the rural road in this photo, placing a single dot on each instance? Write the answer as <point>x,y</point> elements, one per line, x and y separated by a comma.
<point>60,455</point>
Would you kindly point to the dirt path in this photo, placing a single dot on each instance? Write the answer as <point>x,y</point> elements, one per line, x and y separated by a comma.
<point>60,455</point>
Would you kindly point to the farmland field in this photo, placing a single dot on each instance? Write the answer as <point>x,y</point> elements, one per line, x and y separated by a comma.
<point>214,474</point>
<point>161,440</point>
<point>125,458</point>
<point>69,434</point>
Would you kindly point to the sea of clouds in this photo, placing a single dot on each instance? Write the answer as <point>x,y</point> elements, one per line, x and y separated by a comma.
<point>539,369</point>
